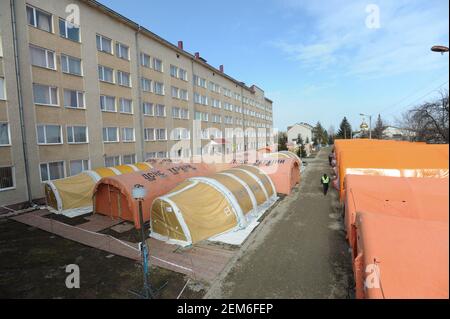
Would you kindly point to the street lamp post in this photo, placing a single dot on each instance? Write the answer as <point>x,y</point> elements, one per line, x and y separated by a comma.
<point>370,123</point>
<point>138,192</point>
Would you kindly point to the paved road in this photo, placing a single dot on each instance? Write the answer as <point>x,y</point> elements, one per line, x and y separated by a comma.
<point>299,250</point>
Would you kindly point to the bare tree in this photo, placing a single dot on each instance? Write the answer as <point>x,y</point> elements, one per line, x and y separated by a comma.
<point>429,121</point>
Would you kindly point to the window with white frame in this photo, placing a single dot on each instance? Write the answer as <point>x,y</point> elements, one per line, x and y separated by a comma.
<point>199,81</point>
<point>104,44</point>
<point>74,99</point>
<point>126,105</point>
<point>48,134</point>
<point>69,30</point>
<point>123,78</point>
<point>201,116</point>
<point>159,88</point>
<point>78,166</point>
<point>77,134</point>
<point>180,113</point>
<point>150,155</point>
<point>42,57</point>
<point>149,134</point>
<point>39,19</point>
<point>146,84</point>
<point>7,178</point>
<point>2,89</point>
<point>71,65</point>
<point>173,71</point>
<point>128,134</point>
<point>214,87</point>
<point>147,108</point>
<point>228,120</point>
<point>175,92</point>
<point>129,159</point>
<point>5,138</point>
<point>160,110</point>
<point>216,118</point>
<point>227,106</point>
<point>215,103</point>
<point>105,74</point>
<point>182,74</point>
<point>162,154</point>
<point>44,94</point>
<point>110,134</point>
<point>180,133</point>
<point>108,103</point>
<point>51,171</point>
<point>160,134</point>
<point>122,51</point>
<point>158,65</point>
<point>146,60</point>
<point>183,95</point>
<point>111,161</point>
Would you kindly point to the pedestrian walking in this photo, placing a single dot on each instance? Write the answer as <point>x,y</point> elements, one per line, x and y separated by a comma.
<point>330,158</point>
<point>325,180</point>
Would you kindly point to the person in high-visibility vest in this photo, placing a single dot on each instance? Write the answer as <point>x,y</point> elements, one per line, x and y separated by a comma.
<point>325,180</point>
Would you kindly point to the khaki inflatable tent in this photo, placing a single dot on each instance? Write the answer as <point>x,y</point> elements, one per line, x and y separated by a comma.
<point>72,196</point>
<point>203,207</point>
<point>112,195</point>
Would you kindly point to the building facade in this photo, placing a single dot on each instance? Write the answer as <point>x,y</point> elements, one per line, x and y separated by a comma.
<point>82,87</point>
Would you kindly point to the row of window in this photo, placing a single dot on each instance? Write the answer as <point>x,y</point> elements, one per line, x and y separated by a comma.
<point>44,21</point>
<point>45,58</point>
<point>47,95</point>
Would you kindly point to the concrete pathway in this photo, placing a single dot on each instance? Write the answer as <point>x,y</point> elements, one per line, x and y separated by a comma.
<point>299,250</point>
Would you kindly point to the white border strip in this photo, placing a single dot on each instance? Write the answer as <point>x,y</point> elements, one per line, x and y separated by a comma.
<point>57,196</point>
<point>115,170</point>
<point>134,168</point>
<point>401,172</point>
<point>94,175</point>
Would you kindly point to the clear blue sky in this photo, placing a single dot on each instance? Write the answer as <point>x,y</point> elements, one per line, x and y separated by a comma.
<point>317,60</point>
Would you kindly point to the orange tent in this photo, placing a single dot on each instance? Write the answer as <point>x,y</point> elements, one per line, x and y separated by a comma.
<point>400,257</point>
<point>112,194</point>
<point>284,173</point>
<point>400,161</point>
<point>417,198</point>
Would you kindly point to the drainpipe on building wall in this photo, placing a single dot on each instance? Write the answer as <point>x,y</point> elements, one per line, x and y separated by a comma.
<point>20,101</point>
<point>140,108</point>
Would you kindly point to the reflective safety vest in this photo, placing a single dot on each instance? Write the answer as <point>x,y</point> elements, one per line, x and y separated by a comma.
<point>325,180</point>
